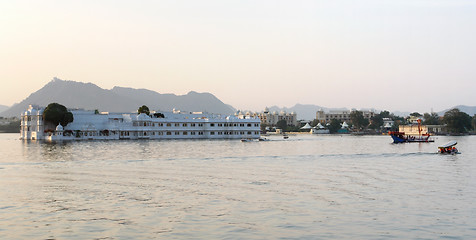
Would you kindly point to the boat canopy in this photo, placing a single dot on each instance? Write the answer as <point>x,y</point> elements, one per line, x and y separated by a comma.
<point>448,144</point>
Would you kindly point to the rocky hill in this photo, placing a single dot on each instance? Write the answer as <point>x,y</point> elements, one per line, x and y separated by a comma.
<point>89,96</point>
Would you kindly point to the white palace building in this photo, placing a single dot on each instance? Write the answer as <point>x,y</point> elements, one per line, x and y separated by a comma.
<point>91,125</point>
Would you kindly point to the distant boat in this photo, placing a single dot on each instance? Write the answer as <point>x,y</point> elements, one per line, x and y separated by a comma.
<point>401,137</point>
<point>448,148</point>
<point>285,136</point>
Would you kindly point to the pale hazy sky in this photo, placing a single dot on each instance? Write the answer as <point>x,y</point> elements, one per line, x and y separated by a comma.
<point>410,55</point>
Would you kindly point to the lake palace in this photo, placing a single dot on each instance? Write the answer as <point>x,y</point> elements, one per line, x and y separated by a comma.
<point>92,125</point>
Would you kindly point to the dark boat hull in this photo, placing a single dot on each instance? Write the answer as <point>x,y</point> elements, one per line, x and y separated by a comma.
<point>404,139</point>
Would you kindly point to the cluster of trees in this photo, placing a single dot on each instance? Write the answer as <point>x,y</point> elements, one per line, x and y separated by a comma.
<point>456,122</point>
<point>13,126</point>
<point>145,109</point>
<point>56,113</point>
<point>459,122</point>
<point>282,124</point>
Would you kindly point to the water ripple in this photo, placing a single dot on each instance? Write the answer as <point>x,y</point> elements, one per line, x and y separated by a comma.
<point>306,187</point>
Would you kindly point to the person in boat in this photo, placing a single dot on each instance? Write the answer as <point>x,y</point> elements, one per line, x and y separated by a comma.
<point>449,150</point>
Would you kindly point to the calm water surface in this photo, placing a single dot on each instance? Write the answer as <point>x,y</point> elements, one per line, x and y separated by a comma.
<point>306,187</point>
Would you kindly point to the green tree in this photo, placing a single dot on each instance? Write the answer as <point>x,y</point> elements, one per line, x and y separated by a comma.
<point>56,113</point>
<point>263,127</point>
<point>143,109</point>
<point>474,122</point>
<point>334,125</point>
<point>159,115</point>
<point>396,124</point>
<point>282,125</point>
<point>358,120</point>
<point>314,122</point>
<point>385,114</point>
<point>377,121</point>
<point>431,119</point>
<point>457,121</point>
<point>415,114</point>
<point>67,118</point>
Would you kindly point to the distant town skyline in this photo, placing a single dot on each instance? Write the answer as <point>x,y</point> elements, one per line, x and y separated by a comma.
<point>396,56</point>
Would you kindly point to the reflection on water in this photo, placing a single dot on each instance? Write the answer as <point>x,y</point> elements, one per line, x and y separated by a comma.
<point>306,187</point>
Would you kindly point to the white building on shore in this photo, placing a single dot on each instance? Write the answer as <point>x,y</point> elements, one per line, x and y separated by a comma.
<point>341,115</point>
<point>272,118</point>
<point>110,126</point>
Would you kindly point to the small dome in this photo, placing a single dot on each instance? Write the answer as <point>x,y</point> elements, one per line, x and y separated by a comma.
<point>33,111</point>
<point>59,127</point>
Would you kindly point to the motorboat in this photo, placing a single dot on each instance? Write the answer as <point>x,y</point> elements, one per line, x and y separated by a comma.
<point>448,148</point>
<point>401,137</point>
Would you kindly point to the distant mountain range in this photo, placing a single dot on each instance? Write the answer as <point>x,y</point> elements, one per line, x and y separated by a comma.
<point>90,97</point>
<point>119,99</point>
<point>3,108</point>
<point>471,111</point>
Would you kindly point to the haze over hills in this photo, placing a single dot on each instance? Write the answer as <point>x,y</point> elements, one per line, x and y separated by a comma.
<point>120,99</point>
<point>89,96</point>
<point>308,111</point>
<point>471,111</point>
<point>3,108</point>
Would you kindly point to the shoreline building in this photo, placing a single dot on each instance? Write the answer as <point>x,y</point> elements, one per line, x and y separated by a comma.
<point>413,129</point>
<point>272,118</point>
<point>341,115</point>
<point>91,125</point>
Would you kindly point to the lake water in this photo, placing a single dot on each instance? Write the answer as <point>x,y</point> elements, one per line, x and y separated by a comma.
<point>306,187</point>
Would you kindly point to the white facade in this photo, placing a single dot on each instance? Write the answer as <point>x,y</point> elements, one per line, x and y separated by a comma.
<point>341,115</point>
<point>88,125</point>
<point>272,118</point>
